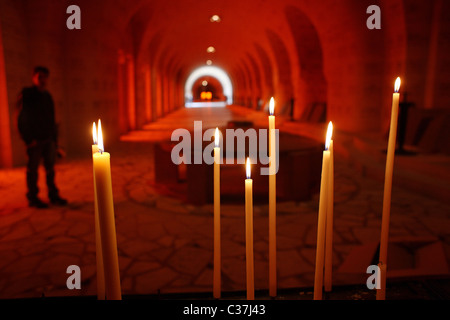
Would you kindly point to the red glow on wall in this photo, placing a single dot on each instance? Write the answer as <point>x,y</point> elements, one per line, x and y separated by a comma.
<point>5,136</point>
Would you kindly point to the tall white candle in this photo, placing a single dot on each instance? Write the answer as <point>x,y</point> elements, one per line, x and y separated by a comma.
<point>272,204</point>
<point>381,293</point>
<point>323,202</point>
<point>249,233</point>
<point>329,219</point>
<point>98,241</point>
<point>217,254</point>
<point>103,184</point>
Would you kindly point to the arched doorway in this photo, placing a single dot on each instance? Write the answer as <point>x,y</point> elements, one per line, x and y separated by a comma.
<point>312,101</point>
<point>208,71</point>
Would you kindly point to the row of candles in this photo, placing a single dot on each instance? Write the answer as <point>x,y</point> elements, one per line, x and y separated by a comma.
<point>108,277</point>
<point>248,217</point>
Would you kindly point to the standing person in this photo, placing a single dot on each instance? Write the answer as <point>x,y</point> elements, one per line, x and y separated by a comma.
<point>37,127</point>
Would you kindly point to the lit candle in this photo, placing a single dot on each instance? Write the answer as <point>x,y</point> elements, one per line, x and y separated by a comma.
<point>381,293</point>
<point>329,219</point>
<point>323,202</point>
<point>272,204</point>
<point>249,232</point>
<point>98,241</point>
<point>103,184</point>
<point>217,268</point>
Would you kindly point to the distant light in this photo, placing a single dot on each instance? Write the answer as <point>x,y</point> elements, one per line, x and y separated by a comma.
<point>214,104</point>
<point>208,62</point>
<point>206,95</point>
<point>211,49</point>
<point>204,83</point>
<point>215,18</point>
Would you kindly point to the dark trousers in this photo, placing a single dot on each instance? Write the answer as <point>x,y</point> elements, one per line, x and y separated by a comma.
<point>45,150</point>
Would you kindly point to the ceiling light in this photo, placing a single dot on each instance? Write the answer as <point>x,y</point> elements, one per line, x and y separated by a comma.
<point>204,83</point>
<point>208,62</point>
<point>211,49</point>
<point>215,18</point>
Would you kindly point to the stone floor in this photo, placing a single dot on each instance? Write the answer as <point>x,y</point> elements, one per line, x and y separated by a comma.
<point>165,245</point>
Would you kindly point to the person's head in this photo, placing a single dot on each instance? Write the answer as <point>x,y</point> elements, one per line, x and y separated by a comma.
<point>40,77</point>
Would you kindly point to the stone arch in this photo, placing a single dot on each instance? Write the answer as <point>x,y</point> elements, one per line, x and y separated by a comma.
<point>266,70</point>
<point>213,71</point>
<point>311,95</point>
<point>283,79</point>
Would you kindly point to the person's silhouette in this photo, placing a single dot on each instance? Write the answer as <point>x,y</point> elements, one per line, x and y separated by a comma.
<point>37,128</point>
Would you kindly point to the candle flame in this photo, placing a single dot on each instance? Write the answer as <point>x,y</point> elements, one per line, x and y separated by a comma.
<point>94,133</point>
<point>397,84</point>
<point>248,168</point>
<point>217,137</point>
<point>100,137</point>
<point>329,135</point>
<point>271,106</point>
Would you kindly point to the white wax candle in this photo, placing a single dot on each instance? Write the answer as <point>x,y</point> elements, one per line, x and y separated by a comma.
<point>323,202</point>
<point>217,247</point>
<point>388,188</point>
<point>272,204</point>
<point>98,241</point>
<point>249,234</point>
<point>329,221</point>
<point>103,184</point>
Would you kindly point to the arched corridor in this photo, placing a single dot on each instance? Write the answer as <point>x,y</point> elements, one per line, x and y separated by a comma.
<point>320,62</point>
<point>152,70</point>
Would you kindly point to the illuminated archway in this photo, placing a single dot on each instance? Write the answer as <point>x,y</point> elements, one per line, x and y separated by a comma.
<point>212,71</point>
